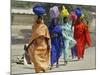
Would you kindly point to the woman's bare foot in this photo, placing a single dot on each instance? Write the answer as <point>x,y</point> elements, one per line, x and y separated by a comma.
<point>65,62</point>
<point>57,65</point>
<point>51,67</point>
<point>44,71</point>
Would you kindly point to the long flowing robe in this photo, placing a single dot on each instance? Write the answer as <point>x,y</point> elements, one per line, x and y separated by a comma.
<point>73,49</point>
<point>39,50</point>
<point>56,42</point>
<point>82,37</point>
<point>68,40</point>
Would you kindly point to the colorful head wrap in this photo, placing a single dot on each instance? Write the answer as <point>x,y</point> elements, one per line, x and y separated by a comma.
<point>73,16</point>
<point>39,10</point>
<point>78,12</point>
<point>54,12</point>
<point>64,12</point>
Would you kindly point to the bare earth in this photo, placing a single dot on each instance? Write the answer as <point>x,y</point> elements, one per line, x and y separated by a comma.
<point>18,40</point>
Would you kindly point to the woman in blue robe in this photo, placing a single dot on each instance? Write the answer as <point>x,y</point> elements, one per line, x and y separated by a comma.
<point>56,42</point>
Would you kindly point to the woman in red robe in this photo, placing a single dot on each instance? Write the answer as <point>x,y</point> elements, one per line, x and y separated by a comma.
<point>82,37</point>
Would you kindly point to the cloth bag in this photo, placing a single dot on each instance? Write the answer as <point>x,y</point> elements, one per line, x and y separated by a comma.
<point>39,10</point>
<point>64,12</point>
<point>54,12</point>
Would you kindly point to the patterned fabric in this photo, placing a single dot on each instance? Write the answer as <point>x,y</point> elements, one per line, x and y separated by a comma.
<point>69,42</point>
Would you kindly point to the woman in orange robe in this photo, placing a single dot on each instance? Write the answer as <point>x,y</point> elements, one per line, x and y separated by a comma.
<point>82,37</point>
<point>39,50</point>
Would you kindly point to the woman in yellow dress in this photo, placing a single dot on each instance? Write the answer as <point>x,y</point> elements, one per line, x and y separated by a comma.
<point>39,46</point>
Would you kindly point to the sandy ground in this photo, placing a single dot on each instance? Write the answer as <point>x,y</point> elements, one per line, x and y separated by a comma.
<point>19,33</point>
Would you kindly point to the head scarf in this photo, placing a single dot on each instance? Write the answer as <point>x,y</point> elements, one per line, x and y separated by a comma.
<point>64,12</point>
<point>39,10</point>
<point>54,12</point>
<point>78,12</point>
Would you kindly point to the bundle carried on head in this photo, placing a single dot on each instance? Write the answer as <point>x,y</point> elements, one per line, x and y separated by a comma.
<point>73,16</point>
<point>64,12</point>
<point>39,10</point>
<point>78,12</point>
<point>54,12</point>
